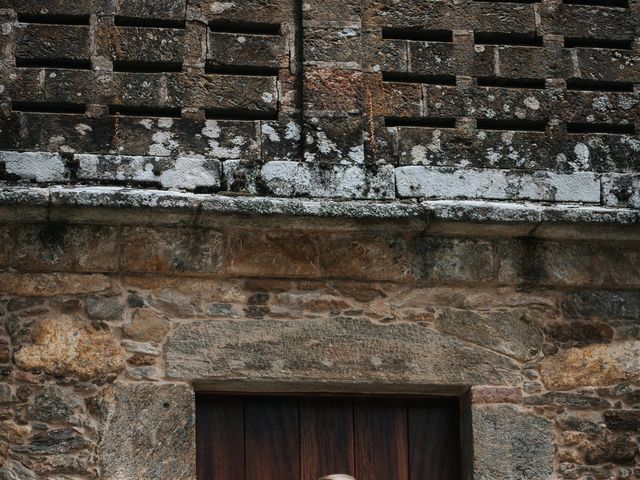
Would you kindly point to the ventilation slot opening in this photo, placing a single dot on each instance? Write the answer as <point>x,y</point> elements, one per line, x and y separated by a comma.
<point>48,107</point>
<point>599,3</point>
<point>66,63</point>
<point>511,82</point>
<point>428,122</point>
<point>144,111</point>
<point>445,80</point>
<point>148,22</point>
<point>54,19</point>
<point>146,67</point>
<point>517,39</point>
<point>598,86</point>
<point>512,125</point>
<point>601,128</point>
<point>417,34</point>
<point>241,70</point>
<point>246,28</point>
<point>598,43</point>
<point>231,114</point>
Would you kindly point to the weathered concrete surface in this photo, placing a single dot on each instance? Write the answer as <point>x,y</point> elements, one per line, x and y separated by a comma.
<point>509,444</point>
<point>147,431</point>
<point>62,346</point>
<point>593,365</point>
<point>340,350</point>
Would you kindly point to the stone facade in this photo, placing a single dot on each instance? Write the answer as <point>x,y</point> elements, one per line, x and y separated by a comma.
<point>108,329</point>
<point>535,101</point>
<point>360,196</point>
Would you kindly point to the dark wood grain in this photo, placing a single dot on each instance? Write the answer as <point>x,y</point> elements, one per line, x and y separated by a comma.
<point>220,438</point>
<point>326,437</point>
<point>304,438</point>
<point>381,448</point>
<point>434,440</point>
<point>272,439</point>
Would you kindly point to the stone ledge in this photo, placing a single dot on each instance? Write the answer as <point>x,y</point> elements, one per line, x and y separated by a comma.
<point>121,205</point>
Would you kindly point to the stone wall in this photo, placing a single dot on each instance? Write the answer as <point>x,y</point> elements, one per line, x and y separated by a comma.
<point>382,99</point>
<point>107,329</point>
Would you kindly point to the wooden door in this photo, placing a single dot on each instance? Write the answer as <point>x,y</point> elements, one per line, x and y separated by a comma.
<point>305,438</point>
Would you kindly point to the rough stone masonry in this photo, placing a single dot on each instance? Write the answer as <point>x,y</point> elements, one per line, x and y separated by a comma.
<point>376,196</point>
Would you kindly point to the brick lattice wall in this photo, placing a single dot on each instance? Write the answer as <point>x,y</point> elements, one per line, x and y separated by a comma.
<point>358,99</point>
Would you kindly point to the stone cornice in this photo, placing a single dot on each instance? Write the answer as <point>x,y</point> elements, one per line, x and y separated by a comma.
<point>120,205</point>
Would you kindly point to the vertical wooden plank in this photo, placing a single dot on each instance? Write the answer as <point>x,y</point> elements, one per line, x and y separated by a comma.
<point>272,439</point>
<point>219,438</point>
<point>434,440</point>
<point>381,439</point>
<point>326,437</point>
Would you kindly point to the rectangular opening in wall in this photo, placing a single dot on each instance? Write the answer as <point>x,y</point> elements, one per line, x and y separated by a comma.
<point>516,39</point>
<point>612,44</point>
<point>599,3</point>
<point>308,437</point>
<point>417,34</point>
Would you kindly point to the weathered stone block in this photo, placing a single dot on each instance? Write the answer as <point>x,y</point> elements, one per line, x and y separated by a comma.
<point>69,42</point>
<point>593,365</point>
<point>183,172</point>
<point>65,347</point>
<point>146,431</point>
<point>52,284</point>
<point>256,11</point>
<point>534,62</point>
<point>38,166</point>
<point>333,46</point>
<point>510,444</point>
<point>172,250</point>
<point>576,401</point>
<point>12,470</point>
<point>63,247</point>
<point>153,45</point>
<point>515,333</point>
<point>486,394</point>
<point>604,304</point>
<point>104,308</point>
<point>53,404</point>
<point>623,420</point>
<point>326,11</point>
<point>364,257</point>
<point>431,58</point>
<point>333,90</point>
<point>384,55</point>
<point>280,141</point>
<point>609,65</point>
<point>226,92</point>
<point>584,21</point>
<point>306,179</point>
<point>497,184</point>
<point>165,9</point>
<point>235,49</point>
<point>578,334</point>
<point>330,350</point>
<point>620,190</point>
<point>497,17</point>
<point>437,259</point>
<point>146,326</point>
<point>265,253</point>
<point>593,264</point>
<point>332,140</point>
<point>399,99</point>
